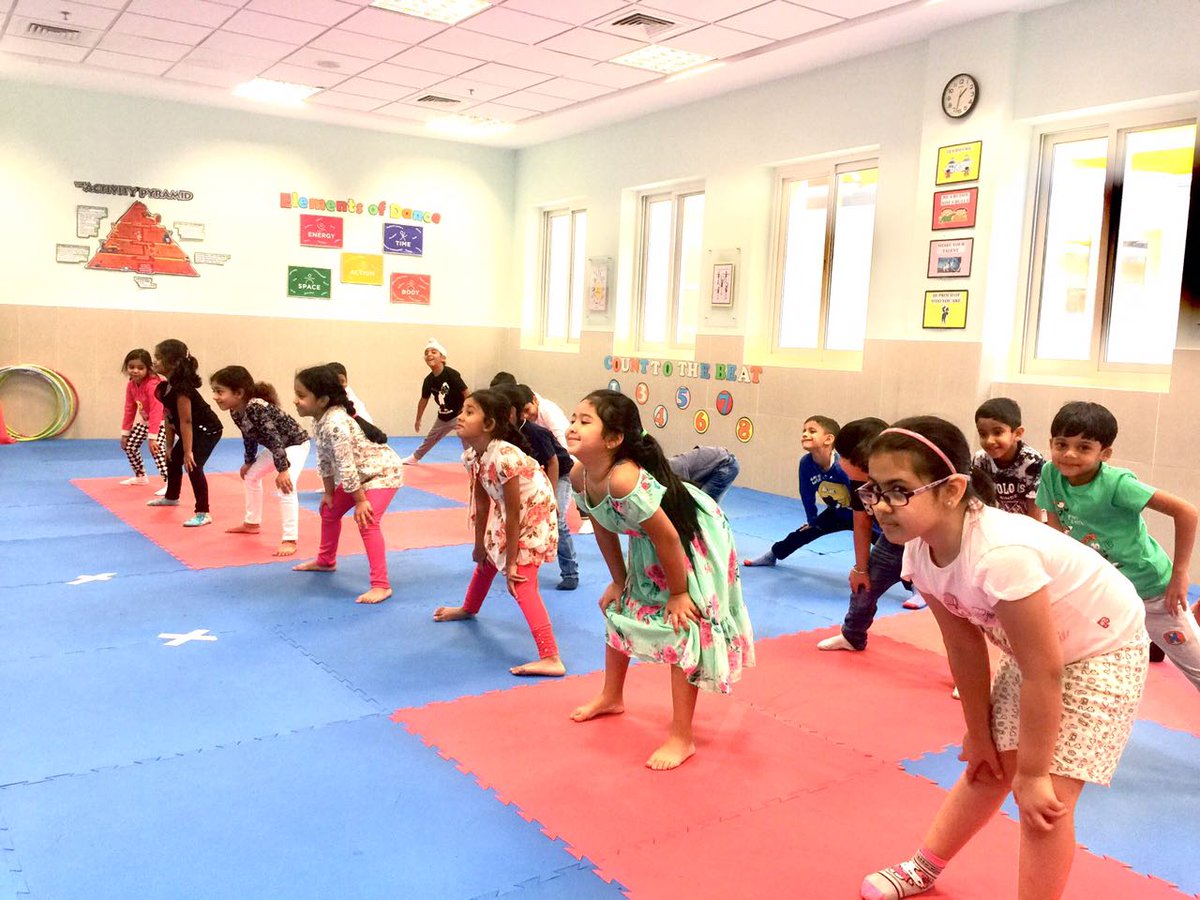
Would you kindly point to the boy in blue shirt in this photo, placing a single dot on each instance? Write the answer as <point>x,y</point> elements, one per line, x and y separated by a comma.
<point>821,478</point>
<point>1101,506</point>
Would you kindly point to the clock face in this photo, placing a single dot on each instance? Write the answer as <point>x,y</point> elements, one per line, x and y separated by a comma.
<point>959,96</point>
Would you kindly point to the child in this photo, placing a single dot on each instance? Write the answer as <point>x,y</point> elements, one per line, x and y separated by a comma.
<point>513,512</point>
<point>143,417</point>
<point>360,408</point>
<point>1061,706</point>
<point>1101,506</point>
<point>556,462</point>
<point>1013,465</point>
<point>448,389</point>
<point>189,417</point>
<point>356,471</point>
<point>821,477</point>
<point>712,469</point>
<point>678,599</point>
<point>876,564</point>
<point>255,410</point>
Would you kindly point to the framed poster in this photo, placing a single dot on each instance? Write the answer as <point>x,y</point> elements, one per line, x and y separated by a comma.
<point>597,296</point>
<point>408,288</point>
<point>406,239</point>
<point>950,259</point>
<point>362,268</point>
<point>954,209</point>
<point>945,309</point>
<point>959,162</point>
<point>722,284</point>
<point>307,281</point>
<point>320,231</point>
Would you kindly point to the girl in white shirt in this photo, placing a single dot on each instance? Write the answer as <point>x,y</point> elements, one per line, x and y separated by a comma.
<point>1075,654</point>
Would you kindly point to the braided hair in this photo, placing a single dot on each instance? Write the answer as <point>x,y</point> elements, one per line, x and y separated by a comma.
<point>322,381</point>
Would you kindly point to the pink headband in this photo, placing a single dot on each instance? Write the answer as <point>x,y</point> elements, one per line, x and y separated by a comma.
<point>927,442</point>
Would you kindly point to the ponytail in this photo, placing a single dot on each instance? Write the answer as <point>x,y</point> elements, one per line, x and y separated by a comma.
<point>236,378</point>
<point>498,406</point>
<point>185,370</point>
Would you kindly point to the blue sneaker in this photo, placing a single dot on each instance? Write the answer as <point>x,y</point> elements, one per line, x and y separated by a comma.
<point>162,501</point>
<point>197,520</point>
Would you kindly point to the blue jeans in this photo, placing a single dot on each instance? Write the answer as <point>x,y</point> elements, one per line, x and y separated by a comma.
<point>830,521</point>
<point>717,482</point>
<point>567,565</point>
<point>884,571</point>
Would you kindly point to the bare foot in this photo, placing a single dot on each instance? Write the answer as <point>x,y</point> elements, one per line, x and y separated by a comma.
<point>374,595</point>
<point>286,548</point>
<point>671,755</point>
<point>551,665</point>
<point>244,528</point>
<point>451,614</point>
<point>600,705</point>
<point>312,566</point>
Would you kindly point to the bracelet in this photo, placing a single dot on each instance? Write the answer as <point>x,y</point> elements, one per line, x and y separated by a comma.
<point>857,571</point>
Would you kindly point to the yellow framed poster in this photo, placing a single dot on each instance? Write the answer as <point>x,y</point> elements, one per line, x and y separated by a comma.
<point>362,268</point>
<point>959,162</point>
<point>945,309</point>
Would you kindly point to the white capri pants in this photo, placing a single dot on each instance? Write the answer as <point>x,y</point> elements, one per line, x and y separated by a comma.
<point>289,504</point>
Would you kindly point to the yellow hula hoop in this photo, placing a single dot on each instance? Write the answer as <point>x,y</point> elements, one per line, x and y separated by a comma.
<point>64,393</point>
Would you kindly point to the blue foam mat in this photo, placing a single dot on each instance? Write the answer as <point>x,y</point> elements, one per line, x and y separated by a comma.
<point>38,523</point>
<point>57,560</point>
<point>356,809</point>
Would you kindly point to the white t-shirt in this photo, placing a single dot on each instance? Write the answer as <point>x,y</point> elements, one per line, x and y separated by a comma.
<point>550,415</point>
<point>1007,557</point>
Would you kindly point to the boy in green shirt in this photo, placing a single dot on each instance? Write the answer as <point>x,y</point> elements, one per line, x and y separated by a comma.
<point>1101,506</point>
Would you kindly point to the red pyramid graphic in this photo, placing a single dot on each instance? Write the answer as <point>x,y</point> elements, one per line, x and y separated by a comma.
<point>138,243</point>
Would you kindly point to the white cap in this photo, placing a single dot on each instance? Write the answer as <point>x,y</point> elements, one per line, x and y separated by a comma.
<point>432,343</point>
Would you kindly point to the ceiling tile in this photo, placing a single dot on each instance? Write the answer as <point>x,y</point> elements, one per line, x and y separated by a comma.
<point>848,9</point>
<point>509,76</point>
<point>573,90</point>
<point>272,27</point>
<point>366,87</point>
<point>160,29</point>
<point>245,45</point>
<point>502,113</point>
<point>437,61</point>
<point>301,75</point>
<point>139,46</point>
<point>617,76</point>
<point>408,113</point>
<point>107,4</point>
<point>576,12</point>
<point>323,12</point>
<point>77,14</point>
<point>713,40</point>
<point>44,49</point>
<point>710,10</point>
<point>393,74</point>
<point>314,58</point>
<point>538,59</point>
<point>127,63</point>
<point>472,44</point>
<point>193,12</point>
<point>535,101</point>
<point>514,26</point>
<point>392,25</point>
<point>466,89</point>
<point>205,57</point>
<point>222,78</point>
<point>353,44</point>
<point>779,20</point>
<point>592,44</point>
<point>345,101</point>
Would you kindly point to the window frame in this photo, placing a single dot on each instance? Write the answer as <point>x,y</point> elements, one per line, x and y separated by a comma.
<point>677,194</point>
<point>571,212</point>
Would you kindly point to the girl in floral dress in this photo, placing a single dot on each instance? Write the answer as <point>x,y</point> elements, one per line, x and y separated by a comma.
<point>515,518</point>
<point>678,597</point>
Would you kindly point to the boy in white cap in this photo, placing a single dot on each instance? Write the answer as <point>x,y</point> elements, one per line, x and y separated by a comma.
<point>448,389</point>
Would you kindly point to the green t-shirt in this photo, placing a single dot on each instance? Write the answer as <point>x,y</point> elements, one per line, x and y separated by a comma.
<point>1106,515</point>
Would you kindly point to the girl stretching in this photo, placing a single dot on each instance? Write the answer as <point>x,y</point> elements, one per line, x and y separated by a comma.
<point>678,599</point>
<point>515,517</point>
<point>193,420</point>
<point>143,417</point>
<point>1071,627</point>
<point>254,407</point>
<point>357,472</point>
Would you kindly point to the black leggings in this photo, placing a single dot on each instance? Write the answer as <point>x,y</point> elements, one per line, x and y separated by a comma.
<point>203,443</point>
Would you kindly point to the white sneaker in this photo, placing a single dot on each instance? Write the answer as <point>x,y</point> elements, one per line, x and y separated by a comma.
<point>136,479</point>
<point>161,492</point>
<point>837,642</point>
<point>586,527</point>
<point>410,460</point>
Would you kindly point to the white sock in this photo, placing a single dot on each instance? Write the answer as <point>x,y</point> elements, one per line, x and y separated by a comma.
<point>909,878</point>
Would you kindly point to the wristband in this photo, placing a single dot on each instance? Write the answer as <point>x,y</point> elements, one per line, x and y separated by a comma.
<point>857,571</point>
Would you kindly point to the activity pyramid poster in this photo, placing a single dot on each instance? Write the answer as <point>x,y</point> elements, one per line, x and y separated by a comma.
<point>138,243</point>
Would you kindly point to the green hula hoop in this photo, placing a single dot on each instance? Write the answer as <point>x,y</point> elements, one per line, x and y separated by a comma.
<point>64,393</point>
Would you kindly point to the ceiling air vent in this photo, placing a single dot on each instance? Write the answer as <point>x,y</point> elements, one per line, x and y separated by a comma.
<point>435,100</point>
<point>59,34</point>
<point>649,26</point>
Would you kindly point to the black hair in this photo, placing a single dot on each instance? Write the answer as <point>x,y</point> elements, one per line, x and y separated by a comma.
<point>236,378</point>
<point>1002,410</point>
<point>827,423</point>
<point>1081,418</point>
<point>338,369</point>
<point>513,395</point>
<point>496,406</point>
<point>619,416</point>
<point>927,464</point>
<point>142,356</point>
<point>184,367</point>
<point>322,381</point>
<point>502,378</point>
<point>527,395</point>
<point>853,440</point>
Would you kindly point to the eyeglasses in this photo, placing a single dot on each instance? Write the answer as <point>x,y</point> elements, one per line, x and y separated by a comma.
<point>870,494</point>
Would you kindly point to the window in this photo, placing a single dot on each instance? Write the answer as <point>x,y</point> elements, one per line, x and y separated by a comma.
<point>1110,227</point>
<point>672,240</point>
<point>826,229</point>
<point>564,244</point>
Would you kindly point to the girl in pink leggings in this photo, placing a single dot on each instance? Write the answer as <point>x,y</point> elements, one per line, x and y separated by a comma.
<point>515,517</point>
<point>359,470</point>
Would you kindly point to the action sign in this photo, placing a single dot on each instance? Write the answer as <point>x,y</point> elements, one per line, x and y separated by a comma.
<point>320,231</point>
<point>362,268</point>
<point>406,239</point>
<point>408,288</point>
<point>305,281</point>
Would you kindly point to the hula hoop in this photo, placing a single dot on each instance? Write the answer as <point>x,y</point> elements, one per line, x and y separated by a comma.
<point>64,393</point>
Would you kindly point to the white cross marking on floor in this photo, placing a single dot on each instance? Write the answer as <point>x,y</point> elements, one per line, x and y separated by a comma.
<point>176,640</point>
<point>84,579</point>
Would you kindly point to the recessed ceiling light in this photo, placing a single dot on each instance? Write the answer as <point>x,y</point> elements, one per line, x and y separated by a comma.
<point>696,70</point>
<point>264,90</point>
<point>666,60</point>
<point>468,126</point>
<point>446,11</point>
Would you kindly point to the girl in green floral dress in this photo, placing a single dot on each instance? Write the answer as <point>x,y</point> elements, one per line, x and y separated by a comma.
<point>678,597</point>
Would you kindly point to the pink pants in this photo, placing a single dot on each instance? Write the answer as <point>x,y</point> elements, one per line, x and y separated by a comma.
<point>528,599</point>
<point>372,537</point>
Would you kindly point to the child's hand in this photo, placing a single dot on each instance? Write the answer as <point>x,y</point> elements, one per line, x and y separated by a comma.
<point>682,612</point>
<point>327,500</point>
<point>154,447</point>
<point>283,481</point>
<point>189,461</point>
<point>859,581</point>
<point>1039,805</point>
<point>363,514</point>
<point>125,441</point>
<point>513,577</point>
<point>611,595</point>
<point>983,762</point>
<point>417,426</point>
<point>243,470</point>
<point>1175,598</point>
<point>479,554</point>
